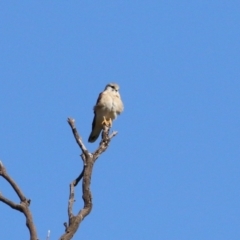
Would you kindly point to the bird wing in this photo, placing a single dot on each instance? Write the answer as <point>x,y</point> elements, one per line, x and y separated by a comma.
<point>119,104</point>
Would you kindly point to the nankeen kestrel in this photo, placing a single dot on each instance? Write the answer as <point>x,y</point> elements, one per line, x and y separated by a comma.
<point>108,106</point>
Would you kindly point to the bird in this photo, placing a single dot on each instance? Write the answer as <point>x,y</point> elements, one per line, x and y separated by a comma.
<point>108,106</point>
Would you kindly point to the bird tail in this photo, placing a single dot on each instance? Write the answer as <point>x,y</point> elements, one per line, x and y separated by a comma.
<point>96,130</point>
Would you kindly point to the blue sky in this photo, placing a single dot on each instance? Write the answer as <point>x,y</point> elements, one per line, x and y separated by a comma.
<point>172,172</point>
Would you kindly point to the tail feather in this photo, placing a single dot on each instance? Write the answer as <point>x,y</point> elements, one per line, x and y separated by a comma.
<point>96,130</point>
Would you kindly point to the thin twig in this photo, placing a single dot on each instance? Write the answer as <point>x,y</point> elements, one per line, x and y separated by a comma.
<point>11,204</point>
<point>13,184</point>
<point>79,141</point>
<point>76,181</point>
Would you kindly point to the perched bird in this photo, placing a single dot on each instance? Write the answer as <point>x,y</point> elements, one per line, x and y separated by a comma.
<point>108,106</point>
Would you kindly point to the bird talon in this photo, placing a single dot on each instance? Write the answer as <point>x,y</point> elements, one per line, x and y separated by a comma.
<point>108,123</point>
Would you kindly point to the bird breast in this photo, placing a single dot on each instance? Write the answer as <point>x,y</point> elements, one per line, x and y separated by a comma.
<point>111,106</point>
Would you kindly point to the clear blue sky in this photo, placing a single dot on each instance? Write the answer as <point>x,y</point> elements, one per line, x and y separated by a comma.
<point>172,172</point>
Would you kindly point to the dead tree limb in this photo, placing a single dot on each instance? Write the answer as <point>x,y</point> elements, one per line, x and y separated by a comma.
<point>24,202</point>
<point>89,159</point>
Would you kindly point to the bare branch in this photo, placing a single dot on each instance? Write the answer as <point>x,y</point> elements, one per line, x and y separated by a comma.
<point>76,181</point>
<point>24,202</point>
<point>88,160</point>
<point>71,201</point>
<point>10,203</point>
<point>104,142</point>
<point>4,174</point>
<point>79,141</point>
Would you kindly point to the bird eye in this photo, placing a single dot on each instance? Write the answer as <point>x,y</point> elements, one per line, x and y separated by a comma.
<point>113,88</point>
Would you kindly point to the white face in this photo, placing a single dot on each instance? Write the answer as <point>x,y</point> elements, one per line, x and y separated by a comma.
<point>112,88</point>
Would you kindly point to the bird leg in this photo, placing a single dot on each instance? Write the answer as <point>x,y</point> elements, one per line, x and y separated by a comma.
<point>108,123</point>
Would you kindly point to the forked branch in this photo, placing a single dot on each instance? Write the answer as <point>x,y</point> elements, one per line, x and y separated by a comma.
<point>89,159</point>
<point>24,202</point>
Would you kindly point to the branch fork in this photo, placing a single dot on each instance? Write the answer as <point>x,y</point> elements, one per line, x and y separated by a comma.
<point>88,162</point>
<point>24,202</point>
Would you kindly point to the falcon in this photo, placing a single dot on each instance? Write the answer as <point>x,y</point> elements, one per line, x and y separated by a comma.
<point>108,106</point>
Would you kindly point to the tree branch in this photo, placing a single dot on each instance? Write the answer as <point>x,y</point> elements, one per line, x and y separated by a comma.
<point>78,139</point>
<point>88,162</point>
<point>10,203</point>
<point>11,182</point>
<point>24,202</point>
